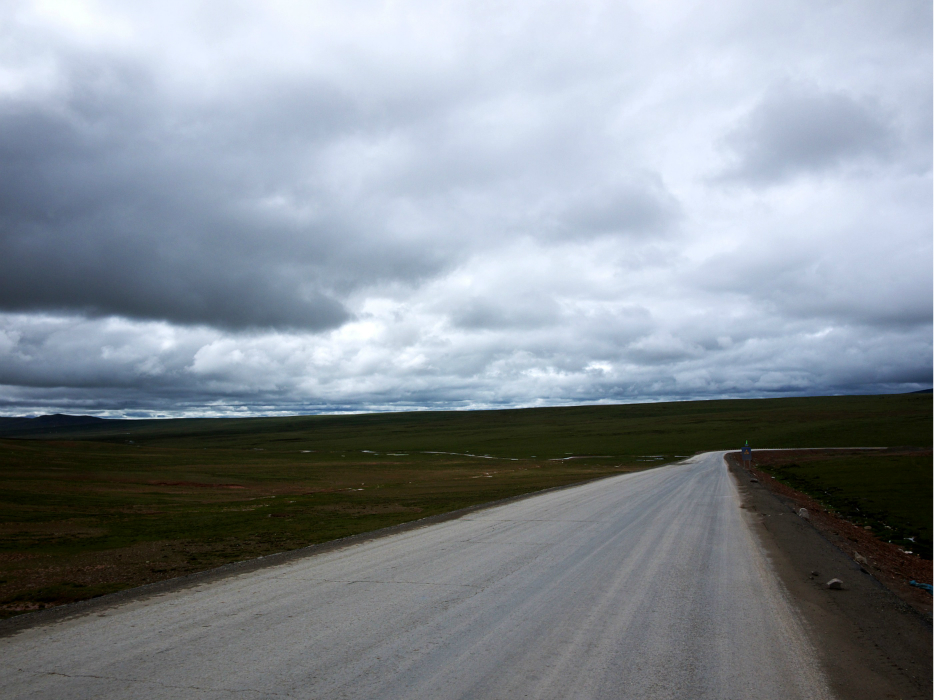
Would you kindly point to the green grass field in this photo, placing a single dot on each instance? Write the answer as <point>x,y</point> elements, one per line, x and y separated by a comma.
<point>90,510</point>
<point>680,427</point>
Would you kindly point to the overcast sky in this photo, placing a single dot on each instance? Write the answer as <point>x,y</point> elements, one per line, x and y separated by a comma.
<point>275,207</point>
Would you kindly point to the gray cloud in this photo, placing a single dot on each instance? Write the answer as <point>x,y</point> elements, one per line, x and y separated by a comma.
<point>297,209</point>
<point>119,199</point>
<point>516,312</point>
<point>106,210</point>
<point>642,206</point>
<point>796,130</point>
<point>152,368</point>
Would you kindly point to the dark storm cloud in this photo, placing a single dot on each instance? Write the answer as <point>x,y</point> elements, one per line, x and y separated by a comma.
<point>116,201</point>
<point>796,130</point>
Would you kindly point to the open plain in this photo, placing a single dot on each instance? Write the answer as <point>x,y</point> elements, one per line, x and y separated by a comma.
<point>90,506</point>
<point>644,585</point>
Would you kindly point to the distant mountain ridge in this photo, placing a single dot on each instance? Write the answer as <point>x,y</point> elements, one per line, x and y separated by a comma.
<point>21,425</point>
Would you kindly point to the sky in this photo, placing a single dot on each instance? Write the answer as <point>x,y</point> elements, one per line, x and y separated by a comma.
<point>263,208</point>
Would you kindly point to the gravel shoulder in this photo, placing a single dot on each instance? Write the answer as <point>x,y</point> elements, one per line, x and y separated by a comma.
<point>871,643</point>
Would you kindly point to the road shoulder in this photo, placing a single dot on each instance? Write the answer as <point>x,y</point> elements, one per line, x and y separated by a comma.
<point>871,643</point>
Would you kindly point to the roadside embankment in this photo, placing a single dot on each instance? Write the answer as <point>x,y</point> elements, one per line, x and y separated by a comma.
<point>871,642</point>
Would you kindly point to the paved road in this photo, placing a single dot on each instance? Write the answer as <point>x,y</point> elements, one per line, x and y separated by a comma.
<point>647,585</point>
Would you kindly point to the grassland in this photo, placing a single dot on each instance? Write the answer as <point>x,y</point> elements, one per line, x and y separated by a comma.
<point>84,518</point>
<point>682,427</point>
<point>91,509</point>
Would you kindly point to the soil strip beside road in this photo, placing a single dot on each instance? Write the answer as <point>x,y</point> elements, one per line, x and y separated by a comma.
<point>887,562</point>
<point>871,643</point>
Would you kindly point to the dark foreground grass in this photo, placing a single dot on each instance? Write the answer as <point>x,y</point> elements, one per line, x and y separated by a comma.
<point>886,491</point>
<point>88,510</point>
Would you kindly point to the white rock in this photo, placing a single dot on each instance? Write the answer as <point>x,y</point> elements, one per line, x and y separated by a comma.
<point>860,559</point>
<point>803,512</point>
<point>835,584</point>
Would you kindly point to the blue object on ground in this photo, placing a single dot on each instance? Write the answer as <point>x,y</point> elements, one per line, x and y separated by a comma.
<point>925,586</point>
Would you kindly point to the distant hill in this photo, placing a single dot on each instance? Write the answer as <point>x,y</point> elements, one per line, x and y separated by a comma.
<point>39,424</point>
<point>679,427</point>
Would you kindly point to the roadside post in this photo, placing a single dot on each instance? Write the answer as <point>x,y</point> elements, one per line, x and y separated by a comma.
<point>747,454</point>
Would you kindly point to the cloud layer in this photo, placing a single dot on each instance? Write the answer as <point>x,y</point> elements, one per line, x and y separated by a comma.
<point>210,208</point>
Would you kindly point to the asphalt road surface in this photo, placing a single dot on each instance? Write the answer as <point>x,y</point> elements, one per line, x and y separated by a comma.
<point>647,585</point>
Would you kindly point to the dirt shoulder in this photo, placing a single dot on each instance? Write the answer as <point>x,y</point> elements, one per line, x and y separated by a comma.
<point>889,563</point>
<point>872,643</point>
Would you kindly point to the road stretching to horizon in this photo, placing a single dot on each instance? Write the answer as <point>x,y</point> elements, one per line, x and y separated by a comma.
<point>646,585</point>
